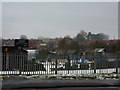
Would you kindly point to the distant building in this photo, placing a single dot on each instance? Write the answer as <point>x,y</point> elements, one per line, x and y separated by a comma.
<point>34,43</point>
<point>43,46</point>
<point>99,50</point>
<point>31,54</point>
<point>8,42</point>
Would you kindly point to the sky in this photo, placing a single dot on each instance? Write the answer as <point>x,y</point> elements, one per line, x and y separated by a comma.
<point>58,19</point>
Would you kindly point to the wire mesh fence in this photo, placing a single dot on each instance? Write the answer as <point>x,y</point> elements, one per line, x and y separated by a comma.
<point>18,63</point>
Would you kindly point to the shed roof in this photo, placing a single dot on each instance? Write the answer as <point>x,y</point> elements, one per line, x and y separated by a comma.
<point>99,50</point>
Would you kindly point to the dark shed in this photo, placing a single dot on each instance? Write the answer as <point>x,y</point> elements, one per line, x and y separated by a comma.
<point>14,58</point>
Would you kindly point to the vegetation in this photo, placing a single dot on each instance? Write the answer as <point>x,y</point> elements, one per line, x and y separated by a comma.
<point>23,37</point>
<point>88,42</point>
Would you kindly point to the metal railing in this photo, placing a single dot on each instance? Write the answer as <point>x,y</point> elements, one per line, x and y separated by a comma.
<point>13,63</point>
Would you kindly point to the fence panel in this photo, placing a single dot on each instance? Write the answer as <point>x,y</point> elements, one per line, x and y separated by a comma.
<point>19,64</point>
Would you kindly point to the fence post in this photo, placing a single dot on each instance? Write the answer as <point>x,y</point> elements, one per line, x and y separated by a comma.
<point>20,62</point>
<point>55,66</point>
<point>69,64</point>
<point>94,63</point>
<point>7,62</point>
<point>116,64</point>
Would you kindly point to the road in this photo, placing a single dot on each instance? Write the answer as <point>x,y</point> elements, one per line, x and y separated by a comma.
<point>60,84</point>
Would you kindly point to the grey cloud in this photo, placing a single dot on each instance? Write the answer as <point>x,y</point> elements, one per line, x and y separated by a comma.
<point>58,19</point>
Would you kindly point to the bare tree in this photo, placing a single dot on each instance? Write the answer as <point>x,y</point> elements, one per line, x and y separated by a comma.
<point>81,37</point>
<point>23,37</point>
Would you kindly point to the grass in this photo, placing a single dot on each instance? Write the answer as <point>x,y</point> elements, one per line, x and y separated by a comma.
<point>93,75</point>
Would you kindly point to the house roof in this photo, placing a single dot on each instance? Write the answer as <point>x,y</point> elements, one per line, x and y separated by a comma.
<point>71,51</point>
<point>99,50</point>
<point>12,49</point>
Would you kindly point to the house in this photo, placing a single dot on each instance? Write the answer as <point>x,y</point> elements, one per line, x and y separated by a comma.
<point>31,54</point>
<point>7,42</point>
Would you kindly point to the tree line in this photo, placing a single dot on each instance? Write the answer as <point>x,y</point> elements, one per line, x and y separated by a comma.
<point>88,42</point>
<point>84,41</point>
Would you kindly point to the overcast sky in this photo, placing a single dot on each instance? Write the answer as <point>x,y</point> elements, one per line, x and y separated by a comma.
<point>58,19</point>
